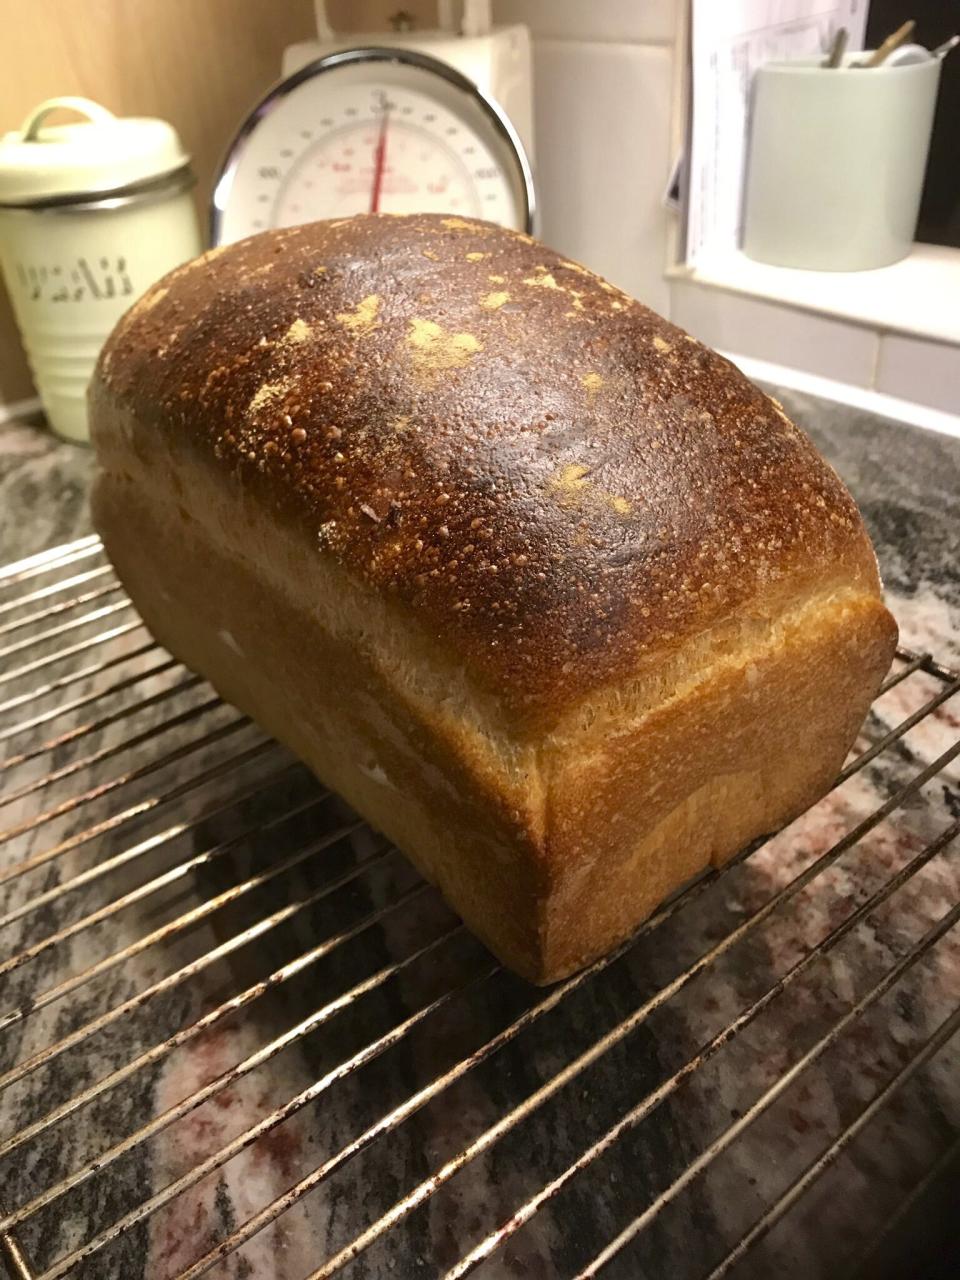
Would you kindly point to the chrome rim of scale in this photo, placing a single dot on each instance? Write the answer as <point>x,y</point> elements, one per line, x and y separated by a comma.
<point>372,130</point>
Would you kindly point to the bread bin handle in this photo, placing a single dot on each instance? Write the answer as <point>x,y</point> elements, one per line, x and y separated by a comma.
<point>83,106</point>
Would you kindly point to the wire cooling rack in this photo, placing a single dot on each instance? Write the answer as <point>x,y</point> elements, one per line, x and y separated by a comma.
<point>240,1037</point>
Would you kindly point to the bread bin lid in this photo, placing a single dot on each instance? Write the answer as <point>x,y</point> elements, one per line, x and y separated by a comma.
<point>42,163</point>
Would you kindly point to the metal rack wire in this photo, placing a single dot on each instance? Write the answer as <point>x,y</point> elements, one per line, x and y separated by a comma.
<point>169,876</point>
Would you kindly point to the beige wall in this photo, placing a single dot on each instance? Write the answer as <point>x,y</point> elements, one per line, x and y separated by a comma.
<point>196,63</point>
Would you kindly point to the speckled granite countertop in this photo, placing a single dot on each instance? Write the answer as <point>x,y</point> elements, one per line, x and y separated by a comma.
<point>908,485</point>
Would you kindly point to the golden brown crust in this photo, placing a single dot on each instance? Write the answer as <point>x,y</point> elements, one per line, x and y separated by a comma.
<point>491,435</point>
<point>756,740</point>
<point>551,881</point>
<point>232,619</point>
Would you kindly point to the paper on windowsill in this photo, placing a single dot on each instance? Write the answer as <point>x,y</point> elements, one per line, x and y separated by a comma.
<point>729,41</point>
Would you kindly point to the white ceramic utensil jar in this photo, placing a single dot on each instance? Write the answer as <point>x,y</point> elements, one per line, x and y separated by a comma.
<point>91,214</point>
<point>836,162</point>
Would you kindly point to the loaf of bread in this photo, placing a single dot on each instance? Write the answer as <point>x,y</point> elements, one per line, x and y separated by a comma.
<point>555,597</point>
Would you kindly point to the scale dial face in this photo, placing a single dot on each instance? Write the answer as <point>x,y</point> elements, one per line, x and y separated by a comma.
<point>385,131</point>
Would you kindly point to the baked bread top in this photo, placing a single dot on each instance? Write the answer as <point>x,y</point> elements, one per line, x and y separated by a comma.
<point>556,483</point>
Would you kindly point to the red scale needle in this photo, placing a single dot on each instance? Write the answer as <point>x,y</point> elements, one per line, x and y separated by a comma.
<point>379,163</point>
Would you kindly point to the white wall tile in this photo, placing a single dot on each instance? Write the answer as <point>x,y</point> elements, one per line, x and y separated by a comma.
<point>638,20</point>
<point>780,334</point>
<point>920,370</point>
<point>602,122</point>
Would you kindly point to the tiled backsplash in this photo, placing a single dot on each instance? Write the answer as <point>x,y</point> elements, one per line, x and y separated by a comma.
<point>916,369</point>
<point>601,117</point>
<point>604,76</point>
<point>780,335</point>
<point>922,369</point>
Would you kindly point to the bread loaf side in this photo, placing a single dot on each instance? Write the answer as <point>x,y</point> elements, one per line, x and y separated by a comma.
<point>546,589</point>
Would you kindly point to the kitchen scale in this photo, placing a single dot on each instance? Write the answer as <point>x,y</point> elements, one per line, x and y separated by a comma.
<point>372,130</point>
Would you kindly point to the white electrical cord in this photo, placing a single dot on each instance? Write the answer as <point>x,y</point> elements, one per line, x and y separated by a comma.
<point>324,29</point>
